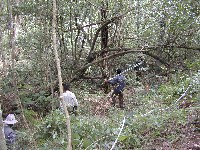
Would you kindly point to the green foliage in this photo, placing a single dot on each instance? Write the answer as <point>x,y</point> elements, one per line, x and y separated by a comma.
<point>178,86</point>
<point>23,139</point>
<point>85,130</point>
<point>150,120</point>
<point>193,65</point>
<point>144,24</point>
<point>52,125</point>
<point>31,117</point>
<point>160,124</point>
<point>89,132</point>
<point>168,92</point>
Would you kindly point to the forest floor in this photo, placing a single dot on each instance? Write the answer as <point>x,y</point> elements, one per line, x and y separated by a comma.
<point>187,139</point>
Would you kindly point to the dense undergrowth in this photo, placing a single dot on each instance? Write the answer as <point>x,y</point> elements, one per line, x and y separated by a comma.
<point>152,119</point>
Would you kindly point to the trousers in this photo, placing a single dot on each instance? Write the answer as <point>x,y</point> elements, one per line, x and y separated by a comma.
<point>120,97</point>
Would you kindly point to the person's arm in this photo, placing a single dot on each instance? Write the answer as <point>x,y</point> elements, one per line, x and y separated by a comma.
<point>74,100</point>
<point>112,81</point>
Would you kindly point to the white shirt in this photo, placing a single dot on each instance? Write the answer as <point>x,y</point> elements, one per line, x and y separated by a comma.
<point>70,99</point>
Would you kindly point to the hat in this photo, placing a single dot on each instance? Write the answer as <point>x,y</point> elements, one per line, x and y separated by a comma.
<point>10,119</point>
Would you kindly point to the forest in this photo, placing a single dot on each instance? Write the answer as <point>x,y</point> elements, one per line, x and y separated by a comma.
<point>46,43</point>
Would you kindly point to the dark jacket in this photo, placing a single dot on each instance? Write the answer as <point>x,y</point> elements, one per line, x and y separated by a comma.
<point>10,134</point>
<point>118,80</point>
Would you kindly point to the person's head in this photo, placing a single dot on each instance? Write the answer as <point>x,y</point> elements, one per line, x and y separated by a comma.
<point>118,71</point>
<point>66,87</point>
<point>10,120</point>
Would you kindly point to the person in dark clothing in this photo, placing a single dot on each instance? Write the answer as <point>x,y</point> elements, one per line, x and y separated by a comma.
<point>119,83</point>
<point>9,133</point>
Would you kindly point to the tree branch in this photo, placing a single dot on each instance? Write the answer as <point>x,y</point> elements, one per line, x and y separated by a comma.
<point>100,28</point>
<point>122,51</point>
<point>77,72</point>
<point>99,22</point>
<point>157,58</point>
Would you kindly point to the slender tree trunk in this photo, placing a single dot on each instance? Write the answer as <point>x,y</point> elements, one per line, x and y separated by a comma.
<point>1,49</point>
<point>13,47</point>
<point>104,38</point>
<point>138,22</point>
<point>69,146</point>
<point>2,57</point>
<point>70,25</point>
<point>2,139</point>
<point>13,23</point>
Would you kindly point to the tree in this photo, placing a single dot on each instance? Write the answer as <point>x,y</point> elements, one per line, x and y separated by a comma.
<point>2,139</point>
<point>69,147</point>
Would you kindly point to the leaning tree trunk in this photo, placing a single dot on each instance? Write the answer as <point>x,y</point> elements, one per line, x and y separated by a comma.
<point>2,139</point>
<point>69,146</point>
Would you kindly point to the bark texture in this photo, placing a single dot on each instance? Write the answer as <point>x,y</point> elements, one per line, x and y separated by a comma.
<point>2,139</point>
<point>69,146</point>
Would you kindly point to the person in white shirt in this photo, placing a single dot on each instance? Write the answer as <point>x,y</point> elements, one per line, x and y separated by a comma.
<point>70,99</point>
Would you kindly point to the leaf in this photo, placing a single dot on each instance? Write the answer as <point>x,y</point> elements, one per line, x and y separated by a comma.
<point>75,136</point>
<point>75,142</point>
<point>28,101</point>
<point>123,137</point>
<point>86,143</point>
<point>42,92</point>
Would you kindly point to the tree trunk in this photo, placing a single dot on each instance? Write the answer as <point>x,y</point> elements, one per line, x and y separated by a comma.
<point>13,49</point>
<point>138,21</point>
<point>2,139</point>
<point>69,146</point>
<point>17,101</point>
<point>104,38</point>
